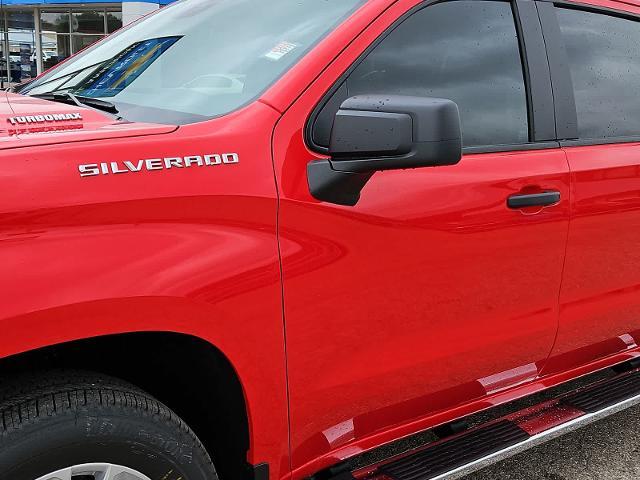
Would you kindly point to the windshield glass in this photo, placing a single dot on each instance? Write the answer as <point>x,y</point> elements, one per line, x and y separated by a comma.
<point>196,59</point>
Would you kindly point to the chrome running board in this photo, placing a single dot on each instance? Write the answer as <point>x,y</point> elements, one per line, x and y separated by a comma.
<point>458,455</point>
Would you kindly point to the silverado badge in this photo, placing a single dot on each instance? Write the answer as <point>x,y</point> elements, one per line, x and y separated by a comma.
<point>106,168</point>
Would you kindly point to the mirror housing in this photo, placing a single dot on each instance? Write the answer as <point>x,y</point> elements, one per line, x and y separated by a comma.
<point>384,132</point>
<point>373,133</point>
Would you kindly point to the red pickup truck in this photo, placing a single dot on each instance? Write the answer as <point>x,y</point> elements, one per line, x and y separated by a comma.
<point>337,239</point>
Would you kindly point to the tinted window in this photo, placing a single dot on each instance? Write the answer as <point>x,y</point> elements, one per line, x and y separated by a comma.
<point>465,51</point>
<point>604,58</point>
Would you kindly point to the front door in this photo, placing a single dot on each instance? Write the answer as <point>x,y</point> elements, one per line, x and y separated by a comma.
<point>430,292</point>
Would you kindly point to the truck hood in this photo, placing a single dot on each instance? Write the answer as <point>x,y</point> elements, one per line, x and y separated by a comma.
<point>26,121</point>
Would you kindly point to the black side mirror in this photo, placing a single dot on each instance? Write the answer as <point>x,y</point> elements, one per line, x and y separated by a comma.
<point>375,132</point>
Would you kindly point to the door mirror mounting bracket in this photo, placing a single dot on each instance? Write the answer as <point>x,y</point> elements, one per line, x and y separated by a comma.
<point>334,186</point>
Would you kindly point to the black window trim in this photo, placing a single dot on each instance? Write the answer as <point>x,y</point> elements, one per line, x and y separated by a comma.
<point>593,8</point>
<point>566,111</point>
<point>586,142</point>
<point>536,73</point>
<point>519,147</point>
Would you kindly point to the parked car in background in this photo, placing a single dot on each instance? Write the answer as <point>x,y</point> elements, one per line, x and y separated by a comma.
<point>46,57</point>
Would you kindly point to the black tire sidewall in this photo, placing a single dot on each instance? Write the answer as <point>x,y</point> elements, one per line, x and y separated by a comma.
<point>141,440</point>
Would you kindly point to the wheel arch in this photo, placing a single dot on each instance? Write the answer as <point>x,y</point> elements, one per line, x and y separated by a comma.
<point>187,373</point>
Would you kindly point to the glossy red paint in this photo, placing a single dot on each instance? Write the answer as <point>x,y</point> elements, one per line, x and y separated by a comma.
<point>336,260</point>
<point>196,251</point>
<point>433,240</point>
<point>424,241</point>
<point>93,125</point>
<point>599,306</point>
<point>632,6</point>
<point>192,250</point>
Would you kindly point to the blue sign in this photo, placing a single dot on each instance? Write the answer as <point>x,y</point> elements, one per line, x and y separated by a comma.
<point>122,70</point>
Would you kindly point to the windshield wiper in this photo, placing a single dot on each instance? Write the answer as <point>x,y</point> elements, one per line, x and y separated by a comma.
<point>71,99</point>
<point>69,76</point>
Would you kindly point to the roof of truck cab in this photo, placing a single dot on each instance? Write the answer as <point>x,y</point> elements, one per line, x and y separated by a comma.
<point>624,5</point>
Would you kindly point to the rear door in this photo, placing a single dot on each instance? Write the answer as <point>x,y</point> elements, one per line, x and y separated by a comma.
<point>595,55</point>
<point>431,292</point>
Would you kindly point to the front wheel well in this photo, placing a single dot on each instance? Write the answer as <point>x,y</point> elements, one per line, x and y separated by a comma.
<point>188,374</point>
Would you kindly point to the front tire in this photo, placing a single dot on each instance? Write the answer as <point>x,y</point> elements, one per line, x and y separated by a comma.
<point>64,421</point>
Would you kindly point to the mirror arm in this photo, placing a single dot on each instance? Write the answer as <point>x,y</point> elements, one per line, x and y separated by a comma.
<point>333,186</point>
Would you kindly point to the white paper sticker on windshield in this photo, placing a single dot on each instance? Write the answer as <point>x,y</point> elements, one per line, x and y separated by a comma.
<point>280,50</point>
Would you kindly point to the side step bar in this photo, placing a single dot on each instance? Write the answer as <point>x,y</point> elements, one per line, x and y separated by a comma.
<point>463,453</point>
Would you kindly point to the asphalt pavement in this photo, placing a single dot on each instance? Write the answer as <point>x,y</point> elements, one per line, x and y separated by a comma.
<point>605,450</point>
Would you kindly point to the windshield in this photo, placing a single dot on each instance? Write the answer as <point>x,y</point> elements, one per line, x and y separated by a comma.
<point>196,59</point>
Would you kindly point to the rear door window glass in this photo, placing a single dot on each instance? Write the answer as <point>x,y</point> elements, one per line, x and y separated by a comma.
<point>604,59</point>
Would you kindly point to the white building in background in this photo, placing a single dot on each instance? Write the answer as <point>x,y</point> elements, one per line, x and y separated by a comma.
<point>37,34</point>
